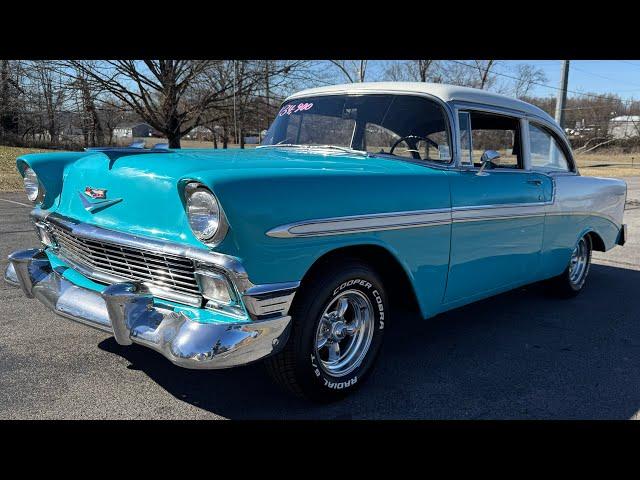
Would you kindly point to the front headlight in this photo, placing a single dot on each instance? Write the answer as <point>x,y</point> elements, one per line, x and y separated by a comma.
<point>31,184</point>
<point>204,213</point>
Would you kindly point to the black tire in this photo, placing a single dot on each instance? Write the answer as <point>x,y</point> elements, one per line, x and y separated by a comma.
<point>563,285</point>
<point>296,367</point>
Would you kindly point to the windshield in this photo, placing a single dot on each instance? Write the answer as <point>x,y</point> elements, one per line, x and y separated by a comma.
<point>403,125</point>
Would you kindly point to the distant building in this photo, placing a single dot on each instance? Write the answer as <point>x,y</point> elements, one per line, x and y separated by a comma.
<point>626,126</point>
<point>582,129</point>
<point>252,140</point>
<point>200,133</point>
<point>131,130</point>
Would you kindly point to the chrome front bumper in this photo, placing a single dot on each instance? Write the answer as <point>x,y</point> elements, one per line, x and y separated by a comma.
<point>127,311</point>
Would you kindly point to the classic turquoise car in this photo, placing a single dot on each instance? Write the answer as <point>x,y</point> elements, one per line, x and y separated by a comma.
<point>360,197</point>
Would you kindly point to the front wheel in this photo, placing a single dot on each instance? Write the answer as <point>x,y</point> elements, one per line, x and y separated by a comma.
<point>338,323</point>
<point>572,280</point>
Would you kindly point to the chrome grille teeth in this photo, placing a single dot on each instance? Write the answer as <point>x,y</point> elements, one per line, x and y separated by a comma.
<point>163,271</point>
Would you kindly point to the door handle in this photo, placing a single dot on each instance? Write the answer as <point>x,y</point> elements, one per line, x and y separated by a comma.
<point>535,182</point>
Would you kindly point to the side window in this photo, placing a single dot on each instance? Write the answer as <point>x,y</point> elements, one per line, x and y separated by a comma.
<point>466,150</point>
<point>438,147</point>
<point>546,153</point>
<point>378,139</point>
<point>496,132</point>
<point>411,127</point>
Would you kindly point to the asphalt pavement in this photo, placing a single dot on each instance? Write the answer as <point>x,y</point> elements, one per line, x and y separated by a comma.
<point>520,355</point>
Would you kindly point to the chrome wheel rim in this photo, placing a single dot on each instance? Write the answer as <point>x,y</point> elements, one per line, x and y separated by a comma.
<point>579,262</point>
<point>344,333</point>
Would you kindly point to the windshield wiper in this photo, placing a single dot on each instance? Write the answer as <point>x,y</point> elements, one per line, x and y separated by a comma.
<point>319,147</point>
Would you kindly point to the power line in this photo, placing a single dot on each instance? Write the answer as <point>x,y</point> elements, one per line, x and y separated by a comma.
<point>605,77</point>
<point>630,63</point>
<point>601,97</point>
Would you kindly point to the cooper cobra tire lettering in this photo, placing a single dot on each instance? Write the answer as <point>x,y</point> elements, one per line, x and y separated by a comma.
<point>340,385</point>
<point>380,308</point>
<point>356,281</point>
<point>300,366</point>
<point>316,370</point>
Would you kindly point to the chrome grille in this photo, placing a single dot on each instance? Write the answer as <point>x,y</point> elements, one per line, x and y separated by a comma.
<point>166,272</point>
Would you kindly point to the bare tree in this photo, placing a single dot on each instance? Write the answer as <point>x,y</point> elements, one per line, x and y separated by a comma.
<point>353,70</point>
<point>422,69</point>
<point>176,96</point>
<point>6,123</point>
<point>396,71</point>
<point>412,70</point>
<point>91,125</point>
<point>48,92</point>
<point>111,113</point>
<point>159,91</point>
<point>527,76</point>
<point>484,69</point>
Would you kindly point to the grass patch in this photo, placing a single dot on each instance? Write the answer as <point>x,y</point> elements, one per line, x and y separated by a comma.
<point>609,165</point>
<point>610,171</point>
<point>10,179</point>
<point>595,165</point>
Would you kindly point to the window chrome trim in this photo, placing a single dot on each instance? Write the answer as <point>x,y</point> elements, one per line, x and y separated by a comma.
<point>447,108</point>
<point>525,145</point>
<point>468,107</point>
<point>481,107</point>
<point>562,142</point>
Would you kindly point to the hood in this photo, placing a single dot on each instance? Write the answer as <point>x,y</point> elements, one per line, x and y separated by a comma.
<point>257,188</point>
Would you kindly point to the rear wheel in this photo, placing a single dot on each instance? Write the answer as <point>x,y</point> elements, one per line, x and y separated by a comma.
<point>338,320</point>
<point>572,280</point>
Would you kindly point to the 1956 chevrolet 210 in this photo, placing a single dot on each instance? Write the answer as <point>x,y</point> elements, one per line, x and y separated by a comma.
<point>360,196</point>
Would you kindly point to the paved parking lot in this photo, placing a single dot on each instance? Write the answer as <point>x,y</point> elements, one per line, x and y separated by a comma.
<point>518,355</point>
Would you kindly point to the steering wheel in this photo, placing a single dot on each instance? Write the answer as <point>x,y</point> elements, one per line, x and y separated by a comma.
<point>415,153</point>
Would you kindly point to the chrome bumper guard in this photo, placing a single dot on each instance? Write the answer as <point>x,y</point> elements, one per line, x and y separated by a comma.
<point>127,310</point>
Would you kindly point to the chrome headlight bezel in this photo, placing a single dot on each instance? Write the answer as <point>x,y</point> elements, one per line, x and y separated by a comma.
<point>216,236</point>
<point>32,184</point>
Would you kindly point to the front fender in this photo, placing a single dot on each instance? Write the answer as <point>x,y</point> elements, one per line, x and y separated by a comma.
<point>254,205</point>
<point>50,169</point>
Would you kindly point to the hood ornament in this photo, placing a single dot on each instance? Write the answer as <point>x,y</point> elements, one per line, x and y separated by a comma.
<point>99,194</point>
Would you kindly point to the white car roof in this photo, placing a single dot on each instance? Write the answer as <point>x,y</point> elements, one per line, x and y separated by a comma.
<point>446,93</point>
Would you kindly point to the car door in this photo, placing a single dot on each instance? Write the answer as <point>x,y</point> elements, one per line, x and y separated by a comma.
<point>498,215</point>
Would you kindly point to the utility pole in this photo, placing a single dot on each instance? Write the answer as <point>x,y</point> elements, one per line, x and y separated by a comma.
<point>562,94</point>
<point>235,119</point>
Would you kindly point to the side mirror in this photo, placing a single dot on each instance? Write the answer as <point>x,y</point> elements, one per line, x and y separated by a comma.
<point>487,157</point>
